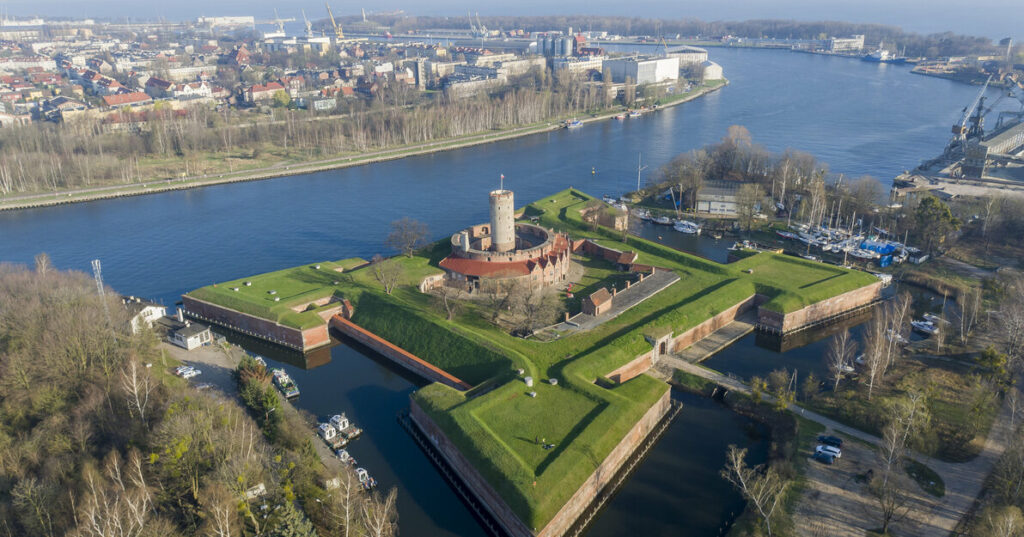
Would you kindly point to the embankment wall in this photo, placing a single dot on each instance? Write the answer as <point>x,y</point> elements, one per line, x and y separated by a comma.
<point>293,338</point>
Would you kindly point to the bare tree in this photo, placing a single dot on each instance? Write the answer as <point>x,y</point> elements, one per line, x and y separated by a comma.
<point>380,516</point>
<point>407,235</point>
<point>137,385</point>
<point>448,298</point>
<point>874,352</point>
<point>897,315</point>
<point>892,499</point>
<point>532,306</point>
<point>761,486</point>
<point>344,505</point>
<point>1011,320</point>
<point>968,311</point>
<point>999,521</point>
<point>117,504</point>
<point>388,272</point>
<point>747,198</point>
<point>841,351</point>
<point>43,264</point>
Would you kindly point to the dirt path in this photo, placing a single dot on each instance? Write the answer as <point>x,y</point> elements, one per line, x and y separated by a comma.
<point>842,505</point>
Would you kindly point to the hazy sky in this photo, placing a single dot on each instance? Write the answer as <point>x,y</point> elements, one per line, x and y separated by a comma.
<point>991,18</point>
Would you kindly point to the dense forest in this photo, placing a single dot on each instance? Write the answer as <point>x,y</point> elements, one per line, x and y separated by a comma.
<point>932,45</point>
<point>98,440</point>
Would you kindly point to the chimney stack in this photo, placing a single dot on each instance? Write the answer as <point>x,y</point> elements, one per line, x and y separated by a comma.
<point>181,315</point>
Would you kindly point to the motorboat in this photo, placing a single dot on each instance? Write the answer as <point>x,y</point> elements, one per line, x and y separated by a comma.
<point>925,327</point>
<point>364,479</point>
<point>934,319</point>
<point>345,458</point>
<point>663,220</point>
<point>787,235</point>
<point>642,214</point>
<point>686,226</point>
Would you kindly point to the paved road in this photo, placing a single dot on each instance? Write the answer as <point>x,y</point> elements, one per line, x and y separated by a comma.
<point>963,481</point>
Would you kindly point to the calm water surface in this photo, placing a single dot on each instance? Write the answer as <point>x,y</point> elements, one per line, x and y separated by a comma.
<point>861,118</point>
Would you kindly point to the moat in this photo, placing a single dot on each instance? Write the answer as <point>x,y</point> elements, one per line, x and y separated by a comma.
<point>161,246</point>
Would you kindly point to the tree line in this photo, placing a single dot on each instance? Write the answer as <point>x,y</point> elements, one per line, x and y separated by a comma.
<point>96,442</point>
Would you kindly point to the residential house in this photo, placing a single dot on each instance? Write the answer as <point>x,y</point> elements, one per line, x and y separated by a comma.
<point>159,88</point>
<point>598,302</point>
<point>142,313</point>
<point>122,100</point>
<point>262,92</point>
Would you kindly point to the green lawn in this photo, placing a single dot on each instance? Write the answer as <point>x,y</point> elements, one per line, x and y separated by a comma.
<point>498,431</point>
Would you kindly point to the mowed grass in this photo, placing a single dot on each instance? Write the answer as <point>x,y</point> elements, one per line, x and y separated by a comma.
<point>498,431</point>
<point>524,424</point>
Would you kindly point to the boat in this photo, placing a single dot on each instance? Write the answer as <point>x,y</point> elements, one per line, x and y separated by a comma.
<point>934,319</point>
<point>884,56</point>
<point>634,113</point>
<point>345,457</point>
<point>642,214</point>
<point>895,336</point>
<point>862,254</point>
<point>925,327</point>
<point>609,199</point>
<point>787,235</point>
<point>364,479</point>
<point>345,427</point>
<point>811,257</point>
<point>847,368</point>
<point>573,124</point>
<point>685,226</point>
<point>663,220</point>
<point>327,432</point>
<point>285,383</point>
<point>620,116</point>
<point>886,280</point>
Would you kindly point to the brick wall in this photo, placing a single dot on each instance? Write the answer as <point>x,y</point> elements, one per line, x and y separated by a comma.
<point>820,310</point>
<point>397,354</point>
<point>576,504</point>
<point>292,338</point>
<point>634,368</point>
<point>706,328</point>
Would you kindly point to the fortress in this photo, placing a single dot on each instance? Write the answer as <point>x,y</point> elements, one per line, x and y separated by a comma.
<point>501,253</point>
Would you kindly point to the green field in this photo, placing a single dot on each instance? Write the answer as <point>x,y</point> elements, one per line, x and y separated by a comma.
<point>499,431</point>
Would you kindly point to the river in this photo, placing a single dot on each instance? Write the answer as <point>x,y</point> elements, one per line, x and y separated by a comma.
<point>861,118</point>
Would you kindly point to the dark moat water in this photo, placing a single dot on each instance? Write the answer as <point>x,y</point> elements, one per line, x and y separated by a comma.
<point>860,118</point>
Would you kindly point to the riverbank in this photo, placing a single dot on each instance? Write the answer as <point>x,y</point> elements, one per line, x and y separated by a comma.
<point>284,169</point>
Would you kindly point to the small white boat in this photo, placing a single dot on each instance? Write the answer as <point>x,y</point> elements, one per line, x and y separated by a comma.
<point>894,336</point>
<point>610,200</point>
<point>642,214</point>
<point>934,319</point>
<point>327,431</point>
<point>663,220</point>
<point>634,113</point>
<point>365,479</point>
<point>926,327</point>
<point>847,368</point>
<point>345,457</point>
<point>811,257</point>
<point>787,235</point>
<point>886,280</point>
<point>686,226</point>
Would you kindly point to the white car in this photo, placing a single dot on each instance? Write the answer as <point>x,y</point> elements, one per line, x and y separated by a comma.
<point>191,373</point>
<point>830,450</point>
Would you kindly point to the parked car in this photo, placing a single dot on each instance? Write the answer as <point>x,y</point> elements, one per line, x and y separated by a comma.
<point>191,373</point>
<point>823,457</point>
<point>831,450</point>
<point>831,441</point>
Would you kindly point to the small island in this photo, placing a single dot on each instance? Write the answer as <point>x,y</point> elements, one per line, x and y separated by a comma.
<point>534,415</point>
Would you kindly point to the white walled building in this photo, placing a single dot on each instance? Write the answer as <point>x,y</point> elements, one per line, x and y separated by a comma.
<point>643,70</point>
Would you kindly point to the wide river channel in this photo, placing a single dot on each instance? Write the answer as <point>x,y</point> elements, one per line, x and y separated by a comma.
<point>858,117</point>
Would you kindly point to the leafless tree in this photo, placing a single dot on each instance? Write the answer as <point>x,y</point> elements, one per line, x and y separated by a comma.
<point>407,235</point>
<point>1013,401</point>
<point>1011,320</point>
<point>897,315</point>
<point>841,350</point>
<point>892,499</point>
<point>999,521</point>
<point>388,272</point>
<point>448,298</point>
<point>874,352</point>
<point>761,486</point>
<point>380,516</point>
<point>344,505</point>
<point>138,385</point>
<point>968,312</point>
<point>117,504</point>
<point>532,306</point>
<point>747,198</point>
<point>43,264</point>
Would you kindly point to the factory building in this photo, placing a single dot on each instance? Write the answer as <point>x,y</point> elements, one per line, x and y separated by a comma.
<point>496,255</point>
<point>643,70</point>
<point>711,71</point>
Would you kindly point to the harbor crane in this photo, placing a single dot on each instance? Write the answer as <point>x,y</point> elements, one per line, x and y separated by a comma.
<point>309,25</point>
<point>337,29</point>
<point>277,21</point>
<point>960,130</point>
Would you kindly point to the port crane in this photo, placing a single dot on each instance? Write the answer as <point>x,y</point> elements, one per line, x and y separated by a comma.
<point>277,21</point>
<point>337,29</point>
<point>961,132</point>
<point>309,25</point>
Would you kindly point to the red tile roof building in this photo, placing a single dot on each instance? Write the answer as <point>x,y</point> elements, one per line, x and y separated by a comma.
<point>121,100</point>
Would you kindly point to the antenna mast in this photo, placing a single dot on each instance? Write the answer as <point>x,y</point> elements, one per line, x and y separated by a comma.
<point>98,276</point>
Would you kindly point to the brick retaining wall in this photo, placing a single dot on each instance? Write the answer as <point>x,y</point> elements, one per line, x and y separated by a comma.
<point>706,328</point>
<point>293,338</point>
<point>819,311</point>
<point>397,354</point>
<point>577,504</point>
